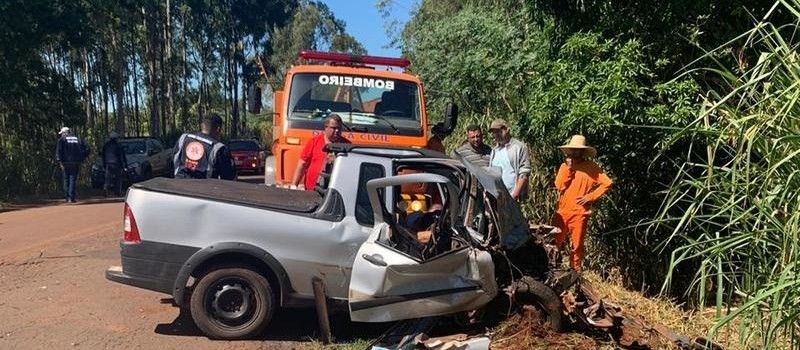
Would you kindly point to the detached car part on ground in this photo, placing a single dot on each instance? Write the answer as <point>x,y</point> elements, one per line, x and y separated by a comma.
<point>233,273</point>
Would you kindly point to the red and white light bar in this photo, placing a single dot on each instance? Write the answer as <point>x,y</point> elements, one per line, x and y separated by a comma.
<point>348,58</point>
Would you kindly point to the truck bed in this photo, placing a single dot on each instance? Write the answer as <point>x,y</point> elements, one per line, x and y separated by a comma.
<point>254,195</point>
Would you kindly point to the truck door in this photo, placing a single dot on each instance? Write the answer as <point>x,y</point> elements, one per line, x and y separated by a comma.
<point>394,278</point>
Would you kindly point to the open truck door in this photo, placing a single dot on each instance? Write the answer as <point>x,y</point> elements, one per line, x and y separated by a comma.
<point>397,275</point>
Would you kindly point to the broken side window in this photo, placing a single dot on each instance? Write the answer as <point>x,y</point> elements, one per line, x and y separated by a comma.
<point>368,171</point>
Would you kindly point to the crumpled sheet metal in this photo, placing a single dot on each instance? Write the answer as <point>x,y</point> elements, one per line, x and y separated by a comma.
<point>630,331</point>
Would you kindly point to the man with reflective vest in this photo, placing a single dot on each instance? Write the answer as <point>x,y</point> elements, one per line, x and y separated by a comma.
<point>202,156</point>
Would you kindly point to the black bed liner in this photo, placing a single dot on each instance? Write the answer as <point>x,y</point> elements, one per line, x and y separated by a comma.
<point>255,195</point>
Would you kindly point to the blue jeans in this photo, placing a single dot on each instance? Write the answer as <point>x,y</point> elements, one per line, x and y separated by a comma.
<point>70,176</point>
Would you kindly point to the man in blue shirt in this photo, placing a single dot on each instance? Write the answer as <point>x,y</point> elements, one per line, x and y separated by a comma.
<point>512,158</point>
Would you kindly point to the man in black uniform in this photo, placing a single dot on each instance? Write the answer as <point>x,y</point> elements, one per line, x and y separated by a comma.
<point>70,153</point>
<point>113,163</point>
<point>202,156</point>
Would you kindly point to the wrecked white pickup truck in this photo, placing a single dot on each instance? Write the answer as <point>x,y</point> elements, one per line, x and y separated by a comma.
<point>233,252</point>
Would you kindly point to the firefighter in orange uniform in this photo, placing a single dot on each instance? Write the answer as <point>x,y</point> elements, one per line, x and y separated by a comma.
<point>580,182</point>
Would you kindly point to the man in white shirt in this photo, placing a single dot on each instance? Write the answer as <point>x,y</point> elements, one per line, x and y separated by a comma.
<point>512,157</point>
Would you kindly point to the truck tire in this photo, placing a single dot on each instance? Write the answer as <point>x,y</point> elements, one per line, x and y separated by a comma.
<point>232,303</point>
<point>531,291</point>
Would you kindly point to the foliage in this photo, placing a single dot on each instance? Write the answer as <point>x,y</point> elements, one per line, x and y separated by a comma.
<point>734,206</point>
<point>513,64</point>
<point>312,27</point>
<point>138,67</point>
<point>608,70</point>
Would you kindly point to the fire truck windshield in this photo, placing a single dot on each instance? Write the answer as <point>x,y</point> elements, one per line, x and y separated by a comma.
<point>366,104</point>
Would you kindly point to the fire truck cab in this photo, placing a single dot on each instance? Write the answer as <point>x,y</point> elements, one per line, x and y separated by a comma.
<point>380,104</point>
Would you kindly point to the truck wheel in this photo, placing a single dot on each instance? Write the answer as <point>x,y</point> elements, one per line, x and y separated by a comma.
<point>531,291</point>
<point>232,303</point>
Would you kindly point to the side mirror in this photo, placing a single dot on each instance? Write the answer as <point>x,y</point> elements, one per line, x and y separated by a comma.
<point>450,120</point>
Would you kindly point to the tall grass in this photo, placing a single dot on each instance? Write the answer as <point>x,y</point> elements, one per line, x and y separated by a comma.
<point>734,206</point>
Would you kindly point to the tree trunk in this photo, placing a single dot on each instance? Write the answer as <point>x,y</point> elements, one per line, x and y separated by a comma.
<point>185,87</point>
<point>226,71</point>
<point>151,72</point>
<point>87,89</point>
<point>130,121</point>
<point>234,94</point>
<point>201,102</point>
<point>244,101</point>
<point>162,84</point>
<point>119,64</point>
<point>136,115</point>
<point>169,70</point>
<point>104,90</point>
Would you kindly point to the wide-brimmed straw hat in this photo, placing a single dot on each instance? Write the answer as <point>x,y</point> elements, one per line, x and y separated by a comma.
<point>579,142</point>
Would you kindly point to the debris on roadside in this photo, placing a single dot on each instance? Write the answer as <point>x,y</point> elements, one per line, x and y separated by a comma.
<point>457,342</point>
<point>541,309</point>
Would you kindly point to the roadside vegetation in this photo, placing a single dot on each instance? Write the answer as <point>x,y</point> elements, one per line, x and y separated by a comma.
<point>734,206</point>
<point>693,113</point>
<point>141,68</point>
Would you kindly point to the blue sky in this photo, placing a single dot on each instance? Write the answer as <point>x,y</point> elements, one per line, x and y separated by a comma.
<point>366,24</point>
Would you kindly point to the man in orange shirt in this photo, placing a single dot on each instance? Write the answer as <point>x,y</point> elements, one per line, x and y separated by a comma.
<point>579,182</point>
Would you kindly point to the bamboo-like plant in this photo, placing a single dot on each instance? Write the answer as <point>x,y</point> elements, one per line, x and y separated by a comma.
<point>734,206</point>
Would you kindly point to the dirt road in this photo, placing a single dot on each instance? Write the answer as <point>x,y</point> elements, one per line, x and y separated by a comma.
<point>55,295</point>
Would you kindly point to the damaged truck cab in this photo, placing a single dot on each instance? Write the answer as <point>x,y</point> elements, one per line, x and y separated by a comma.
<point>232,253</point>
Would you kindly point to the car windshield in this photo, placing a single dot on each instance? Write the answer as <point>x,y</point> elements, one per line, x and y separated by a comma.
<point>131,147</point>
<point>238,146</point>
<point>366,104</point>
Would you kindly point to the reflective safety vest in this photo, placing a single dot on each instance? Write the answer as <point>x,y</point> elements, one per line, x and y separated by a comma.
<point>196,157</point>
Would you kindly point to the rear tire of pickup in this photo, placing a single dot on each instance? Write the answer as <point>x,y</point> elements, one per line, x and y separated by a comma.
<point>532,292</point>
<point>232,303</point>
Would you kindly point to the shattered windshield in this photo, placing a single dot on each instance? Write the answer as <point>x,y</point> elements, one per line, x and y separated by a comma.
<point>366,104</point>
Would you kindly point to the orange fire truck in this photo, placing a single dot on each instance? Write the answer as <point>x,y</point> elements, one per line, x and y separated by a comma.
<point>379,106</point>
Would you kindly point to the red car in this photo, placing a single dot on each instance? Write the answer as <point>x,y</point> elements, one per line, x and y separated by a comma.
<point>246,156</point>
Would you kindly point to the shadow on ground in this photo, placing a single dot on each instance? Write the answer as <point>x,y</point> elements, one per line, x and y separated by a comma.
<point>288,325</point>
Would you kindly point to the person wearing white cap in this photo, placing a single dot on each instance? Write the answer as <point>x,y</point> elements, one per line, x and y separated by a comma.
<point>70,153</point>
<point>580,182</point>
<point>513,159</point>
<point>113,162</point>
